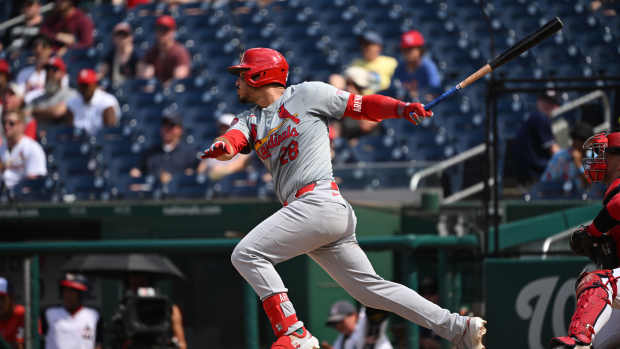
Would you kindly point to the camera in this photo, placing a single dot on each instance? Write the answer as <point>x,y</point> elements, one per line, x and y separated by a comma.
<point>143,320</point>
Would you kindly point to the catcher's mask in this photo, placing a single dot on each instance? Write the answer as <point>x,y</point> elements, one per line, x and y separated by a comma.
<point>595,157</point>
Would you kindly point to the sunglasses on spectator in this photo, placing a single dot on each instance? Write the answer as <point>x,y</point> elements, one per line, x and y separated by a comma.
<point>121,34</point>
<point>9,122</point>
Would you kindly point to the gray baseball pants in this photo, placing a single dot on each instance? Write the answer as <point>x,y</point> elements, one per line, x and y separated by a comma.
<point>322,224</point>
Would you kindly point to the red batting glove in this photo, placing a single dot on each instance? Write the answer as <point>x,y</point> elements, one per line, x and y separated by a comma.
<point>415,113</point>
<point>217,149</point>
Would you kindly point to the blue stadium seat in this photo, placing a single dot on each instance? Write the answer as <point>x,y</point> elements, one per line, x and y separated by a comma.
<point>188,187</point>
<point>85,187</point>
<point>39,189</point>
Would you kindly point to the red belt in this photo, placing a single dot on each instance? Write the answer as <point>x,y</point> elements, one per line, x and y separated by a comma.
<point>308,188</point>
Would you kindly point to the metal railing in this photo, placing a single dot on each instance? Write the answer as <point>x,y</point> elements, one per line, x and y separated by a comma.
<point>442,165</point>
<point>559,236</point>
<point>18,19</point>
<point>405,243</point>
<point>560,127</point>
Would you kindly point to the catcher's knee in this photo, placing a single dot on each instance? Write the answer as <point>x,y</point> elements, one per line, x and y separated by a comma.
<point>603,278</point>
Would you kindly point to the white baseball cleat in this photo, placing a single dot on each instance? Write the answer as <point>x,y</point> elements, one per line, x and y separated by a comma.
<point>473,334</point>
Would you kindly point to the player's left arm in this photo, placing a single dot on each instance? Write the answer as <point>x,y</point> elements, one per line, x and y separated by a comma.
<point>609,216</point>
<point>378,107</point>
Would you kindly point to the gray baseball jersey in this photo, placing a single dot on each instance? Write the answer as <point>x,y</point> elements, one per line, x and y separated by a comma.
<point>291,136</point>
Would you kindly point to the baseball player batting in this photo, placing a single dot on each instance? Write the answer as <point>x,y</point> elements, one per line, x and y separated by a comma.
<point>597,291</point>
<point>288,129</point>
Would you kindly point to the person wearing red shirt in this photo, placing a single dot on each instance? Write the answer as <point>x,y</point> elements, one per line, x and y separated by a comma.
<point>11,317</point>
<point>595,321</point>
<point>68,27</point>
<point>167,59</point>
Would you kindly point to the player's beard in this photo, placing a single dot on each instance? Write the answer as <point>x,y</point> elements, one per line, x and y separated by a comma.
<point>243,99</point>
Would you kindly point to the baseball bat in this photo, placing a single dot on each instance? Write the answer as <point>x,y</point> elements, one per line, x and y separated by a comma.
<point>529,41</point>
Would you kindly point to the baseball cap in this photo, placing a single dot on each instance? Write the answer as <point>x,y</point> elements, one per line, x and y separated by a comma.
<point>173,118</point>
<point>550,96</point>
<point>87,76</point>
<point>122,27</point>
<point>17,89</point>
<point>4,66</point>
<point>166,21</point>
<point>372,37</point>
<point>57,63</point>
<point>412,38</point>
<point>359,76</point>
<point>339,311</point>
<point>4,286</point>
<point>226,119</point>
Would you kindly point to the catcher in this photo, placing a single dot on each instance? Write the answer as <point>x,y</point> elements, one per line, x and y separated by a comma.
<point>597,291</point>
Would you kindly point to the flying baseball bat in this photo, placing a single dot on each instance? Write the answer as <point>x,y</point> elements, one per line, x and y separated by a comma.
<point>529,41</point>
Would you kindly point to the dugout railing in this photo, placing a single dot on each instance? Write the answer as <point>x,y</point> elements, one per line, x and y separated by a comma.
<point>448,273</point>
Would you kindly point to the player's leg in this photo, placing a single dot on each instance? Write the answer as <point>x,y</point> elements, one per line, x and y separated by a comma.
<point>596,292</point>
<point>348,265</point>
<point>298,228</point>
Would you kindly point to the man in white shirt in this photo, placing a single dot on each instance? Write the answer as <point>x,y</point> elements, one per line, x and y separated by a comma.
<point>20,156</point>
<point>92,108</point>
<point>356,330</point>
<point>72,325</point>
<point>32,77</point>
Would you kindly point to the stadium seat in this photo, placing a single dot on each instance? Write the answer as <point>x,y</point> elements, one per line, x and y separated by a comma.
<point>188,187</point>
<point>39,189</point>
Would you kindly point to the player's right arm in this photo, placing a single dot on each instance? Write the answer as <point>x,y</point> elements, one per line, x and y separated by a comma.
<point>234,141</point>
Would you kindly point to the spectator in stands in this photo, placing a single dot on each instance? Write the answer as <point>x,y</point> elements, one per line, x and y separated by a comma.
<point>68,27</point>
<point>534,143</point>
<point>357,80</point>
<point>565,165</point>
<point>32,77</point>
<point>357,328</point>
<point>49,106</point>
<point>217,169</point>
<point>172,156</point>
<point>20,36</point>
<point>11,317</point>
<point>5,77</point>
<point>381,67</point>
<point>72,325</point>
<point>122,60</point>
<point>416,73</point>
<point>20,156</point>
<point>92,108</point>
<point>167,59</point>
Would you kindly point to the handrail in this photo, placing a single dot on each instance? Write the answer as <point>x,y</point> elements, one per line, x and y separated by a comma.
<point>467,192</point>
<point>442,165</point>
<point>583,100</point>
<point>548,241</point>
<point>18,19</point>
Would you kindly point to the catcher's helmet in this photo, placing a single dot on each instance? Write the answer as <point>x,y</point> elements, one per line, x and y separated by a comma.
<point>595,157</point>
<point>262,66</point>
<point>77,282</point>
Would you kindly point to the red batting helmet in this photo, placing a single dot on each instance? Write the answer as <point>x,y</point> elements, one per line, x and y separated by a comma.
<point>595,157</point>
<point>262,66</point>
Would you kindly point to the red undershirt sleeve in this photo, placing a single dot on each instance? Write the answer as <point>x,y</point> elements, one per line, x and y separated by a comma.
<point>373,107</point>
<point>236,139</point>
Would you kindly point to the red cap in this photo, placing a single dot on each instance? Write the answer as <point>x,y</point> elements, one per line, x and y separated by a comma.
<point>57,63</point>
<point>87,76</point>
<point>4,66</point>
<point>412,38</point>
<point>166,21</point>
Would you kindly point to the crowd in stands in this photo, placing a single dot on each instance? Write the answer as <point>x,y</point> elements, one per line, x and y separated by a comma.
<point>150,75</point>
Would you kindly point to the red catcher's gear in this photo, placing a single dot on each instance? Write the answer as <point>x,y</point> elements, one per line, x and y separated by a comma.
<point>280,312</point>
<point>592,298</point>
<point>262,66</point>
<point>595,157</point>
